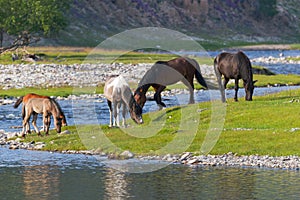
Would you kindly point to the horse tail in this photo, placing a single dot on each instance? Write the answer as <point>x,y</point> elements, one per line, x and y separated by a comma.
<point>199,76</point>
<point>23,112</point>
<point>19,101</point>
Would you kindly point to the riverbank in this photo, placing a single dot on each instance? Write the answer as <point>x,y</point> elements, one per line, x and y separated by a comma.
<point>187,158</point>
<point>267,140</point>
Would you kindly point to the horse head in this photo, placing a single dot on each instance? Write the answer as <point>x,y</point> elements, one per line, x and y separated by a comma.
<point>249,87</point>
<point>63,120</point>
<point>140,97</point>
<point>136,113</point>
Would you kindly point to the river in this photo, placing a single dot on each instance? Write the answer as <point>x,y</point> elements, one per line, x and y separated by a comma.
<point>46,175</point>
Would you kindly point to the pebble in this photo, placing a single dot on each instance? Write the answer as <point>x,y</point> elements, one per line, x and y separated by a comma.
<point>127,154</point>
<point>54,75</point>
<point>276,60</point>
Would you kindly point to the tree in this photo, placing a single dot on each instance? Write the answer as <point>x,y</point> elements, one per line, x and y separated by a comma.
<point>27,20</point>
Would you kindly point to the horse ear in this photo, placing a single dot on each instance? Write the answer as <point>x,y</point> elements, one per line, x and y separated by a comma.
<point>254,82</point>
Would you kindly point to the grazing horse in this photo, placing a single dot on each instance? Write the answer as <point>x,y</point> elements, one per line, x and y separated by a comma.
<point>28,96</point>
<point>118,93</point>
<point>47,107</point>
<point>234,66</point>
<point>164,73</point>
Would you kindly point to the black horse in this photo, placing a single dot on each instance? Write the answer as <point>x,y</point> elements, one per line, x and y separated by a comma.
<point>164,73</point>
<point>234,66</point>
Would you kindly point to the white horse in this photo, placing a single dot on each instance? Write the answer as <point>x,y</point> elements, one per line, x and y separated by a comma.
<point>118,93</point>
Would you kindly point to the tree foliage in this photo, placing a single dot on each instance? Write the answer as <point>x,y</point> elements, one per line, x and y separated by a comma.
<point>35,17</point>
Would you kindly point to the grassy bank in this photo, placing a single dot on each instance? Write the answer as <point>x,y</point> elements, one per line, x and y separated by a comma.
<point>75,55</point>
<point>266,126</point>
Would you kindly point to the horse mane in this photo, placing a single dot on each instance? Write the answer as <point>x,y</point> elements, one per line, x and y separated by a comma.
<point>131,99</point>
<point>144,83</point>
<point>57,107</point>
<point>245,61</point>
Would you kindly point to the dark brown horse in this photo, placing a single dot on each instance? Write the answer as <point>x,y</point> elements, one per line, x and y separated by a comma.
<point>234,66</point>
<point>164,73</point>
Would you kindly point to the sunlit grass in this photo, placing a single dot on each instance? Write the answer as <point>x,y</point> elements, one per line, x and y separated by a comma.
<point>266,126</point>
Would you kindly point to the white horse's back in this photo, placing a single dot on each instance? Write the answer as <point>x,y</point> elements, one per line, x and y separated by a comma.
<point>118,93</point>
<point>114,87</point>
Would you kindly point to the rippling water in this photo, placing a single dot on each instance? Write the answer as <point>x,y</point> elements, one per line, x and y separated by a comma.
<point>43,175</point>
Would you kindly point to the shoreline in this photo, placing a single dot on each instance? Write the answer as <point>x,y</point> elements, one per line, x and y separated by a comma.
<point>290,162</point>
<point>264,47</point>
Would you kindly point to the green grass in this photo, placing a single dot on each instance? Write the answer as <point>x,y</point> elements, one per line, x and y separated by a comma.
<point>295,46</point>
<point>59,91</point>
<point>261,127</point>
<point>77,55</point>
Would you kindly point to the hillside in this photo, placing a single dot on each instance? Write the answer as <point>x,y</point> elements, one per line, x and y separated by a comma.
<point>209,21</point>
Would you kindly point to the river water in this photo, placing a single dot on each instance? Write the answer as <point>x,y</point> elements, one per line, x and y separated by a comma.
<point>45,175</point>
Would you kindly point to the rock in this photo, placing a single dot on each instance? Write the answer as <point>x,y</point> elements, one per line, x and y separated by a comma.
<point>65,132</point>
<point>14,146</point>
<point>39,145</point>
<point>54,75</point>
<point>185,156</point>
<point>127,154</point>
<point>11,135</point>
<point>192,161</point>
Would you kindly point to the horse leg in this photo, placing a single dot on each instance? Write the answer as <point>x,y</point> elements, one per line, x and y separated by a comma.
<point>236,88</point>
<point>190,85</point>
<point>23,116</point>
<point>34,118</point>
<point>157,96</point>
<point>46,120</point>
<point>25,124</point>
<point>219,79</point>
<point>48,123</point>
<point>117,106</point>
<point>226,80</point>
<point>110,113</point>
<point>124,114</point>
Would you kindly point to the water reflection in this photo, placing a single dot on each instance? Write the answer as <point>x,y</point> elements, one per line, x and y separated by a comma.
<point>116,185</point>
<point>40,182</point>
<point>80,177</point>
